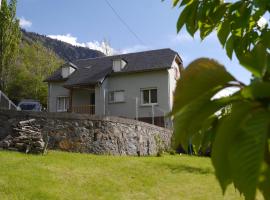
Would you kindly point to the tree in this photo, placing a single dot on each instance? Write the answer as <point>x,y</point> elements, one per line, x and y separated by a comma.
<point>33,65</point>
<point>240,138</point>
<point>9,39</point>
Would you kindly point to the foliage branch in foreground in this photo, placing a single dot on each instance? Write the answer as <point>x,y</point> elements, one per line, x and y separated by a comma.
<point>239,137</point>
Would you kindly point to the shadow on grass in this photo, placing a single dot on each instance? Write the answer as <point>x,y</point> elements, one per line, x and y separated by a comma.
<point>188,169</point>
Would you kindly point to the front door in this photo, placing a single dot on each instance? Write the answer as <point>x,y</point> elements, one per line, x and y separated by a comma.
<point>92,103</point>
<point>92,98</point>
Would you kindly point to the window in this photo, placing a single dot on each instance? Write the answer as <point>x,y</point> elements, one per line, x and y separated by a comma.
<point>149,96</point>
<point>62,104</point>
<point>118,65</point>
<point>116,97</point>
<point>66,71</point>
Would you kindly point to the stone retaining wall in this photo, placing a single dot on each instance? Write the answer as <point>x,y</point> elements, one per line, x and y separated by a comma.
<point>93,134</point>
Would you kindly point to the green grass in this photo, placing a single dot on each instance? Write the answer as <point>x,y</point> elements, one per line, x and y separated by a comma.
<point>72,176</point>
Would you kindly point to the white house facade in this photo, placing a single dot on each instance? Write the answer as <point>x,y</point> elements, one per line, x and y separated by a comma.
<point>136,85</point>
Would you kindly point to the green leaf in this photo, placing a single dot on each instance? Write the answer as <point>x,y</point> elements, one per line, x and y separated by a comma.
<point>256,60</point>
<point>266,38</point>
<point>264,184</point>
<point>205,30</point>
<point>192,119</point>
<point>244,17</point>
<point>220,156</point>
<point>224,32</point>
<point>227,129</point>
<point>184,128</point>
<point>175,2</point>
<point>182,18</point>
<point>247,152</point>
<point>219,12</point>
<point>201,76</point>
<point>209,132</point>
<point>238,148</point>
<point>191,22</point>
<point>257,90</point>
<point>236,6</point>
<point>185,2</point>
<point>230,46</point>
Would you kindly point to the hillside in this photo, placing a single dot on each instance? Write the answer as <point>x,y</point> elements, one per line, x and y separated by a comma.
<point>64,50</point>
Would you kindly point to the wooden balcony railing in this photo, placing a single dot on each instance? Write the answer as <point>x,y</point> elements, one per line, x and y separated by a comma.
<point>84,109</point>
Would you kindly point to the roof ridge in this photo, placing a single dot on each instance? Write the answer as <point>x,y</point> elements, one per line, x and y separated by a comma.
<point>125,54</point>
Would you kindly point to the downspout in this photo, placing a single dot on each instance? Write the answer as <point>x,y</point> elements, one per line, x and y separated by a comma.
<point>104,96</point>
<point>169,95</point>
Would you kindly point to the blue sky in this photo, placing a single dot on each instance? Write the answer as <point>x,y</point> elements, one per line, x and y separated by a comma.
<point>89,22</point>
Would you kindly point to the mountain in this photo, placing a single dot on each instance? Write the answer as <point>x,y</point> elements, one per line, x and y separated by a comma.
<point>64,50</point>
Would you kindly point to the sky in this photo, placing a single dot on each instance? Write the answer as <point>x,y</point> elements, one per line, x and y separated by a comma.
<point>137,25</point>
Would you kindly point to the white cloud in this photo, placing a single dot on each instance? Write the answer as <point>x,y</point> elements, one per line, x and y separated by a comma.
<point>103,46</point>
<point>24,23</point>
<point>68,38</point>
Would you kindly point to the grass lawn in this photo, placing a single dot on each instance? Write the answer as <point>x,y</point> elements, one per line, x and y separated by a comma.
<point>73,176</point>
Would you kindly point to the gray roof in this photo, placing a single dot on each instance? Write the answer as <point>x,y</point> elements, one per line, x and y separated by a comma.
<point>94,70</point>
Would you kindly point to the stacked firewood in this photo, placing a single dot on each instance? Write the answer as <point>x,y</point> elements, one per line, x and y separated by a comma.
<point>25,137</point>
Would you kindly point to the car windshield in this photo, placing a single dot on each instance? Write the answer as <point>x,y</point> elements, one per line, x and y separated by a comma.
<point>28,106</point>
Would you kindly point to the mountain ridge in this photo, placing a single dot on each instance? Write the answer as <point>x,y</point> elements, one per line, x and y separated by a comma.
<point>63,50</point>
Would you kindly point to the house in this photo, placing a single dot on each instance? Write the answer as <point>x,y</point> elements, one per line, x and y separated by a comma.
<point>135,85</point>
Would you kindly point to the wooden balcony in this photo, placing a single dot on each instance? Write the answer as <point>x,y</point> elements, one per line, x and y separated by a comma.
<point>84,109</point>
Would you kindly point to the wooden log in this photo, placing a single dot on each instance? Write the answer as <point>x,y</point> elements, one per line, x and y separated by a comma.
<point>27,131</point>
<point>26,122</point>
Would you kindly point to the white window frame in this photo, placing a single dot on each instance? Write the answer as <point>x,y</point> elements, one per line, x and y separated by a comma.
<point>118,64</point>
<point>66,103</point>
<point>67,71</point>
<point>114,101</point>
<point>149,102</point>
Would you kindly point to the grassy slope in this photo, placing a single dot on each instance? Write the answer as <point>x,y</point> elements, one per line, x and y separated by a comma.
<point>79,176</point>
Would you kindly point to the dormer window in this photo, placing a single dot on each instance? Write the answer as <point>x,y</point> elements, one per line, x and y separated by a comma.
<point>67,70</point>
<point>118,65</point>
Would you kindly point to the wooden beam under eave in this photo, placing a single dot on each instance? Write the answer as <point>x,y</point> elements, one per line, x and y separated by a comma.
<point>89,87</point>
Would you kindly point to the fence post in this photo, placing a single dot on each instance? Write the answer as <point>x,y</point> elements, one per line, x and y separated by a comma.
<point>104,99</point>
<point>164,119</point>
<point>137,114</point>
<point>153,114</point>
